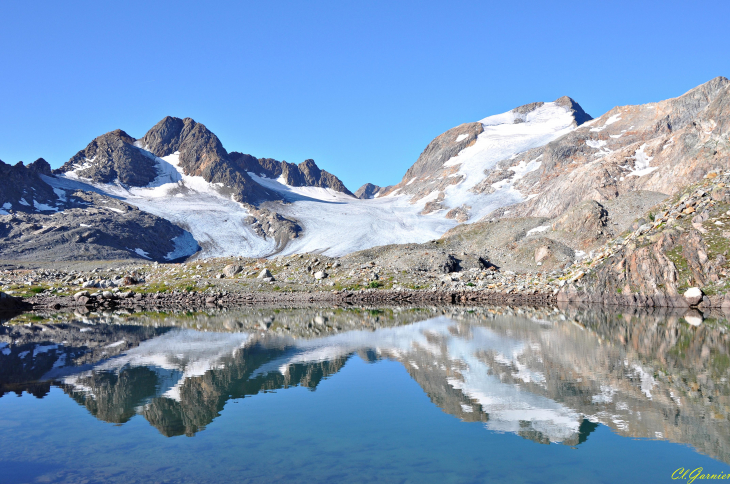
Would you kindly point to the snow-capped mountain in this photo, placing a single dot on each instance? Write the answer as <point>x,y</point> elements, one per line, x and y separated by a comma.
<point>537,160</point>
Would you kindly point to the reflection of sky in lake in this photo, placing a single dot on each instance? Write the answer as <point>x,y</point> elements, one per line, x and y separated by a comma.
<point>537,381</point>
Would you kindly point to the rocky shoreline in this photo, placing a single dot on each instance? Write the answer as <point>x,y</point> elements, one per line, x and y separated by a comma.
<point>86,301</point>
<point>192,300</point>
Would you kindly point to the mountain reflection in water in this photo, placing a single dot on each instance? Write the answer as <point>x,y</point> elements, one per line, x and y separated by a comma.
<point>543,374</point>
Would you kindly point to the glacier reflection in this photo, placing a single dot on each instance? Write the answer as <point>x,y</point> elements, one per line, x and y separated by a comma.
<point>547,375</point>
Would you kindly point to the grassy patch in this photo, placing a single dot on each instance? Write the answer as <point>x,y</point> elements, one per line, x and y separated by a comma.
<point>680,262</point>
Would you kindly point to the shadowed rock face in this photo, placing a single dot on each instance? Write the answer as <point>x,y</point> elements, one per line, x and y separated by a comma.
<point>575,108</point>
<point>90,227</point>
<point>113,156</point>
<point>40,223</point>
<point>21,187</point>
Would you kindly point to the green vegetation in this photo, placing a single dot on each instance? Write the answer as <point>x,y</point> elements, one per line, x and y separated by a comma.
<point>680,262</point>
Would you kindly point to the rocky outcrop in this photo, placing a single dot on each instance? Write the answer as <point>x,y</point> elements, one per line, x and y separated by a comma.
<point>682,244</point>
<point>575,109</point>
<point>23,190</point>
<point>110,157</point>
<point>306,174</point>
<point>267,223</point>
<point>367,191</point>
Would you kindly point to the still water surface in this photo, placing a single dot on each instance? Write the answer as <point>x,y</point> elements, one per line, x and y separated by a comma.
<point>348,395</point>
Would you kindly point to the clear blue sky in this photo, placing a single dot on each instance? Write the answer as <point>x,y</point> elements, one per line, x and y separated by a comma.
<point>360,87</point>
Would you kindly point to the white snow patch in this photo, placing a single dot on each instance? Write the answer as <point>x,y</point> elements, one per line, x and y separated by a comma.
<point>461,137</point>
<point>73,174</point>
<point>641,163</point>
<point>185,245</point>
<point>142,253</point>
<point>536,230</point>
<point>43,207</point>
<point>609,121</point>
<point>40,349</point>
<point>23,202</point>
<point>61,194</point>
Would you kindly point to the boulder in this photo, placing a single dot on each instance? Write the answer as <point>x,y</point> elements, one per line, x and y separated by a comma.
<point>265,273</point>
<point>231,270</point>
<point>80,294</point>
<point>693,296</point>
<point>129,281</point>
<point>542,253</point>
<point>320,275</point>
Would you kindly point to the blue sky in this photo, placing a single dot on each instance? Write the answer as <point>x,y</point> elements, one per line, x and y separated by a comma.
<point>360,87</point>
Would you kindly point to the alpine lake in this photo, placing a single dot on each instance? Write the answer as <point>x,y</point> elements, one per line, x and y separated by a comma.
<point>365,394</point>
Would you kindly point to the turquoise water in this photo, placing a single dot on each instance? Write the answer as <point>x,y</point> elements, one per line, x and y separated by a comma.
<point>451,398</point>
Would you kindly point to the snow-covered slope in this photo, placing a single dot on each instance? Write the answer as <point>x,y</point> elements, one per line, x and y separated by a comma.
<point>502,138</point>
<point>216,221</point>
<point>457,175</point>
<point>334,222</point>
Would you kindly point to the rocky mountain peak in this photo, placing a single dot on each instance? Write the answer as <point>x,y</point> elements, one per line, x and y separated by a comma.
<point>41,166</point>
<point>164,137</point>
<point>109,157</point>
<point>367,191</point>
<point>575,109</point>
